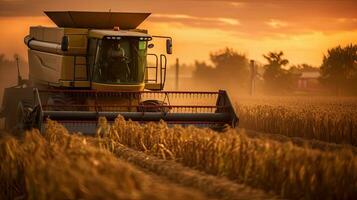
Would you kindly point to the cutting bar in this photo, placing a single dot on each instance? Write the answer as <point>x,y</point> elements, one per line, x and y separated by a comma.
<point>79,110</point>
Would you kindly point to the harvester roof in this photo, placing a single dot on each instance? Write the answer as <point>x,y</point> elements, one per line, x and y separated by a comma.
<point>101,33</point>
<point>96,20</point>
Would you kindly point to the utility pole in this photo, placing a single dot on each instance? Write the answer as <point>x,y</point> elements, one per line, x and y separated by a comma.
<point>177,74</point>
<point>253,73</point>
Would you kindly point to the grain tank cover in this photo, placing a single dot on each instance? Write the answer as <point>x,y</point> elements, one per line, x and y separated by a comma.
<point>96,20</point>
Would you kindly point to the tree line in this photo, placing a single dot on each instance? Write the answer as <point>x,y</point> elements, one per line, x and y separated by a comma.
<point>229,68</point>
<point>338,71</point>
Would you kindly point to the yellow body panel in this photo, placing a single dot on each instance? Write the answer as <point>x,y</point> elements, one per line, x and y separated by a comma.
<point>100,86</point>
<point>52,68</point>
<point>153,86</point>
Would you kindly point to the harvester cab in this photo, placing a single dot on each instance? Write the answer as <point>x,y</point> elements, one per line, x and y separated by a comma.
<point>95,50</point>
<point>96,64</point>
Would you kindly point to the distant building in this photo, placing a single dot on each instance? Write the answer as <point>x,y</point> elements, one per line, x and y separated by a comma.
<point>309,82</point>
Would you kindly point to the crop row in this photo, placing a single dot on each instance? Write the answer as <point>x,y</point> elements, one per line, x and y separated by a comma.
<point>62,166</point>
<point>283,168</point>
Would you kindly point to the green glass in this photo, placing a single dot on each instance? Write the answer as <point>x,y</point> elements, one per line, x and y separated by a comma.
<point>120,61</point>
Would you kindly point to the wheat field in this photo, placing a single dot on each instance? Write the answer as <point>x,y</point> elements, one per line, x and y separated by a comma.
<point>128,160</point>
<point>330,119</point>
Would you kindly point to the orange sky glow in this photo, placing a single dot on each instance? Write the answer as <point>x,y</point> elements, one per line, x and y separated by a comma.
<point>304,30</point>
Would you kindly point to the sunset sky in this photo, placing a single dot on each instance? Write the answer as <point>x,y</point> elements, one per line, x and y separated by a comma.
<point>304,30</point>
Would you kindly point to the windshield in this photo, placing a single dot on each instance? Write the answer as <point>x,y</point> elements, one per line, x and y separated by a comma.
<point>120,61</point>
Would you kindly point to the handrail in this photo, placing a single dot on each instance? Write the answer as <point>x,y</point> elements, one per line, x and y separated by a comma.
<point>163,74</point>
<point>161,36</point>
<point>156,68</point>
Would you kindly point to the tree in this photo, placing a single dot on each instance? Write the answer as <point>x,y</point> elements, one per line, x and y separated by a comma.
<point>203,70</point>
<point>230,69</point>
<point>339,69</point>
<point>275,77</point>
<point>303,68</point>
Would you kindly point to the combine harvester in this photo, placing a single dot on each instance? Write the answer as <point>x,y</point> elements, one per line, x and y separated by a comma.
<point>96,64</point>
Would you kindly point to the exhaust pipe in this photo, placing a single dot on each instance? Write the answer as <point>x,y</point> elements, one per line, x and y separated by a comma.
<point>49,47</point>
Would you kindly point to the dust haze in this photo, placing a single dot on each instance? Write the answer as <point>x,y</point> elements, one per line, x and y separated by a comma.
<point>8,72</point>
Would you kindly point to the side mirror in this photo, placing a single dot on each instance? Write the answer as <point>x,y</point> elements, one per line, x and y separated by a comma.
<point>64,43</point>
<point>150,46</point>
<point>169,46</point>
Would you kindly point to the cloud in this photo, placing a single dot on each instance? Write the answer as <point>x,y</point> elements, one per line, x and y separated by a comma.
<point>237,4</point>
<point>229,21</point>
<point>183,17</point>
<point>275,23</point>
